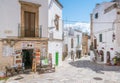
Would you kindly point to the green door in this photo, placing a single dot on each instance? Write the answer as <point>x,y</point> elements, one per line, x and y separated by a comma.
<point>56,58</point>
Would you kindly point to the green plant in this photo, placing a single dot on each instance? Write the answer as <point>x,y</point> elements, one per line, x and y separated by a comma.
<point>115,60</point>
<point>5,78</point>
<point>118,59</point>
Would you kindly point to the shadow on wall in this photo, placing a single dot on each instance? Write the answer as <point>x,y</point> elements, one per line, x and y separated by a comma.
<point>94,66</point>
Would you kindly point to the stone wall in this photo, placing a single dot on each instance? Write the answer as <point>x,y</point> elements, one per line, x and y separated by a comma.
<point>9,60</point>
<point>4,60</point>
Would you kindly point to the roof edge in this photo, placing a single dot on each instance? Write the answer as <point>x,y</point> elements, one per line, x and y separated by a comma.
<point>59,3</point>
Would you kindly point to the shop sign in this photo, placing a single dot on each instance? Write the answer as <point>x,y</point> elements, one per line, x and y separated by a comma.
<point>18,58</point>
<point>27,45</point>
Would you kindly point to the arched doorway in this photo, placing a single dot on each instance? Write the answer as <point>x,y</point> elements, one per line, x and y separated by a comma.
<point>108,57</point>
<point>102,55</point>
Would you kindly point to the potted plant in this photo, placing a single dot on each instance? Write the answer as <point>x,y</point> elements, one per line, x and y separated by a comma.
<point>114,60</point>
<point>117,58</point>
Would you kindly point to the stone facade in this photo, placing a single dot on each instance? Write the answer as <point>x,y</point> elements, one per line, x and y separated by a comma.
<point>38,43</point>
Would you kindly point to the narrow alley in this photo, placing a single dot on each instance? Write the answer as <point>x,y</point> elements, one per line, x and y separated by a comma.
<point>79,71</point>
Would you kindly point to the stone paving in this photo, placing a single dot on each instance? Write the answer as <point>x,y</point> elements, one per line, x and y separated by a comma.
<point>79,71</point>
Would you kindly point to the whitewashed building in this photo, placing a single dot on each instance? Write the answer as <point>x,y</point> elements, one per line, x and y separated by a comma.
<point>24,31</point>
<point>105,28</point>
<point>72,42</point>
<point>55,43</point>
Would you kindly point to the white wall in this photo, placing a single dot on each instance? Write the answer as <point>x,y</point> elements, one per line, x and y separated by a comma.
<point>104,20</point>
<point>10,16</point>
<point>67,40</point>
<point>104,25</point>
<point>53,48</point>
<point>55,9</point>
<point>76,40</point>
<point>53,45</point>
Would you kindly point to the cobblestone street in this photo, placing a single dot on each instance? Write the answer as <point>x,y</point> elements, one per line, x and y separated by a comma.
<point>79,71</point>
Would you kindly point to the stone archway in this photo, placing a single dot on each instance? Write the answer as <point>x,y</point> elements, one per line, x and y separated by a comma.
<point>102,55</point>
<point>108,57</point>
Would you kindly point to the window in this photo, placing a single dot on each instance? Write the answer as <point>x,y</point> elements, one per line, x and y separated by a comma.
<point>71,43</point>
<point>96,15</point>
<point>78,40</point>
<point>100,38</point>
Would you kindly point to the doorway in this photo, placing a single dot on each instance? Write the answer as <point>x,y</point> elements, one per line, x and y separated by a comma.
<point>108,57</point>
<point>78,54</point>
<point>95,43</point>
<point>102,55</point>
<point>57,58</point>
<point>27,58</point>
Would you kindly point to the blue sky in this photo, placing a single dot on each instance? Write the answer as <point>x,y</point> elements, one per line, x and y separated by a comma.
<point>79,10</point>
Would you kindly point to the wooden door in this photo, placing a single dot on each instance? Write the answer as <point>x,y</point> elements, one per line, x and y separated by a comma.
<point>29,23</point>
<point>95,43</point>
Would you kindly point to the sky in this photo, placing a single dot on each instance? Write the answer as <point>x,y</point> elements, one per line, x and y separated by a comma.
<point>78,10</point>
<point>76,13</point>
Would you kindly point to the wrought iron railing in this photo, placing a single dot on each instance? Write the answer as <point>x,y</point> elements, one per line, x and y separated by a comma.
<point>39,31</point>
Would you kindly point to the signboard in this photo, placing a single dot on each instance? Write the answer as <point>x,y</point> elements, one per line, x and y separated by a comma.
<point>37,55</point>
<point>18,58</point>
<point>27,45</point>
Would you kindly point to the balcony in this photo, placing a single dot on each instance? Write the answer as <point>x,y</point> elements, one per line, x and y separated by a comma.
<point>29,33</point>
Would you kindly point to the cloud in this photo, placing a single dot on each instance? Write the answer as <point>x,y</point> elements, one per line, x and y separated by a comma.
<point>84,27</point>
